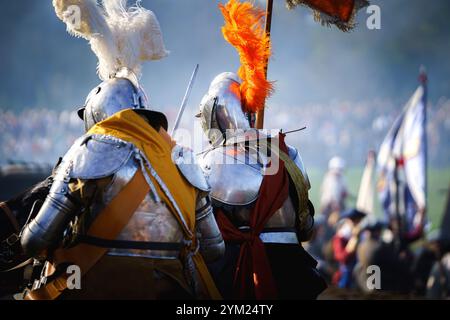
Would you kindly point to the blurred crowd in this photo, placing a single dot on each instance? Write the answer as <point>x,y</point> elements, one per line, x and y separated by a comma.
<point>359,251</point>
<point>37,135</point>
<point>354,128</point>
<point>42,135</point>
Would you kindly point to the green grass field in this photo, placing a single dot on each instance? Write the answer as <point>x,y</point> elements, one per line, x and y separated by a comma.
<point>438,184</point>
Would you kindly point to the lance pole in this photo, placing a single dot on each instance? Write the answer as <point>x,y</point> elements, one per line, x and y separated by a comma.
<point>260,114</point>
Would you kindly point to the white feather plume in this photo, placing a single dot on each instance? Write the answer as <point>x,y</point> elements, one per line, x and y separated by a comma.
<point>121,37</point>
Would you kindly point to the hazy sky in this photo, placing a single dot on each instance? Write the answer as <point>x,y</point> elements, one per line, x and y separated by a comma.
<point>42,66</point>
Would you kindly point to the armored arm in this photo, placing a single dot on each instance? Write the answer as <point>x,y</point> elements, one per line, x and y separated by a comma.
<point>89,159</point>
<point>295,156</point>
<point>46,230</point>
<point>212,246</point>
<point>304,233</point>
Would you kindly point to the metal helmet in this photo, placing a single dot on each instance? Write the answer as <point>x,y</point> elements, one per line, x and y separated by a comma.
<point>337,164</point>
<point>115,95</point>
<point>221,108</point>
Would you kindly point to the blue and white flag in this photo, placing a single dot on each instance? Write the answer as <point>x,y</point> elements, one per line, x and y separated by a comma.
<point>404,149</point>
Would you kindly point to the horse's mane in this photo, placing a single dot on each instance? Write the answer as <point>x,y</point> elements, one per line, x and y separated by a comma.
<point>21,204</point>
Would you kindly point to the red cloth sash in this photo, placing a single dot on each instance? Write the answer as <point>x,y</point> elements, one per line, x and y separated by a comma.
<point>253,276</point>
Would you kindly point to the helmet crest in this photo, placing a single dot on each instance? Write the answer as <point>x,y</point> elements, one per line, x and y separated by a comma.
<point>122,38</point>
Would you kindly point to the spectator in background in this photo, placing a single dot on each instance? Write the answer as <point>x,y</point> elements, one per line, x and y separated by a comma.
<point>345,243</point>
<point>334,188</point>
<point>373,250</point>
<point>320,247</point>
<point>37,135</point>
<point>438,284</point>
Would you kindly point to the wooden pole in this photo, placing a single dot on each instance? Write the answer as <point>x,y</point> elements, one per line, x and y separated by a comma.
<point>260,114</point>
<point>398,218</point>
<point>423,79</point>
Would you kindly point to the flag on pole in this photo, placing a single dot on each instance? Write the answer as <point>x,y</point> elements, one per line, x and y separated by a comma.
<point>340,13</point>
<point>402,164</point>
<point>366,194</point>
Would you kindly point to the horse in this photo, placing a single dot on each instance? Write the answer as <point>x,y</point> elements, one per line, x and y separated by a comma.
<point>14,215</point>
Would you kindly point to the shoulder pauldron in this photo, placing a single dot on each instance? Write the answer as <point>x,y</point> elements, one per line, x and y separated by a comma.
<point>95,157</point>
<point>185,161</point>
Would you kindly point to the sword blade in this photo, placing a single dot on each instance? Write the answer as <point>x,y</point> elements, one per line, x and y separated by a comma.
<point>185,99</point>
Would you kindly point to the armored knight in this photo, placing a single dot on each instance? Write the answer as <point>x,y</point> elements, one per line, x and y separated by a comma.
<point>235,169</point>
<point>259,185</point>
<point>127,207</point>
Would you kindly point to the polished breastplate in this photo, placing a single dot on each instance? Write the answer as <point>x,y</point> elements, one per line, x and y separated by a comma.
<point>279,229</point>
<point>151,222</point>
<point>235,182</point>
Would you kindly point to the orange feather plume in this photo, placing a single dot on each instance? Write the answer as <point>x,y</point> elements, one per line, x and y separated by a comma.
<point>244,30</point>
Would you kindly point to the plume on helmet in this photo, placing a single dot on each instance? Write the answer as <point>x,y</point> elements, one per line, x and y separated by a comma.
<point>244,30</point>
<point>122,37</point>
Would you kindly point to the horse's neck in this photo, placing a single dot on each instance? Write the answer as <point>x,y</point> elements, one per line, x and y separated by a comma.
<point>22,204</point>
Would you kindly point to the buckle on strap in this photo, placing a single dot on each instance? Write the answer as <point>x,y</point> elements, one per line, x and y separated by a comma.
<point>192,246</point>
<point>12,239</point>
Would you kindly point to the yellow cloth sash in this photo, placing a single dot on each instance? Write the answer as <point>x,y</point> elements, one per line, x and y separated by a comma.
<point>129,126</point>
<point>108,225</point>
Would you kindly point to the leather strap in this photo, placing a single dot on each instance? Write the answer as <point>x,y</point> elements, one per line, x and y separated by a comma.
<point>132,245</point>
<point>108,225</point>
<point>298,179</point>
<point>19,266</point>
